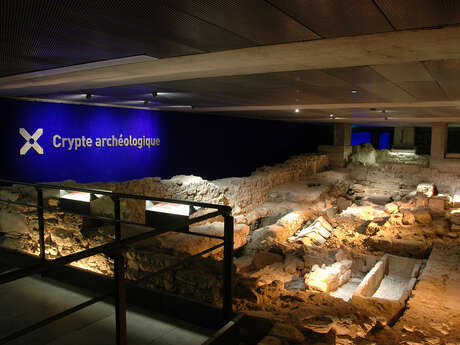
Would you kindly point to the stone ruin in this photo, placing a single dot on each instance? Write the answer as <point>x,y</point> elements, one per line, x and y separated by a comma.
<point>329,255</point>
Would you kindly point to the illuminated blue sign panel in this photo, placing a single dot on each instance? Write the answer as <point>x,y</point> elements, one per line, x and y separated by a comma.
<point>53,142</point>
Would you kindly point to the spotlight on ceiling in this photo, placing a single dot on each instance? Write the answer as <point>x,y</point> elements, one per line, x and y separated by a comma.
<point>296,110</point>
<point>88,96</point>
<point>332,116</point>
<point>154,94</point>
<point>354,91</point>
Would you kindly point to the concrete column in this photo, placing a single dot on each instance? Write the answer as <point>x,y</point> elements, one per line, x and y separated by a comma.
<point>339,152</point>
<point>342,134</point>
<point>438,141</point>
<point>404,138</point>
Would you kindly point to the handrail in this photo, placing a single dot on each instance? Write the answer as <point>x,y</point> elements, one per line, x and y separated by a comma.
<point>223,208</point>
<point>115,250</point>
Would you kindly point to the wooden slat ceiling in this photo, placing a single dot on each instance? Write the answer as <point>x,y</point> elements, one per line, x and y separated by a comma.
<point>38,35</point>
<point>45,34</point>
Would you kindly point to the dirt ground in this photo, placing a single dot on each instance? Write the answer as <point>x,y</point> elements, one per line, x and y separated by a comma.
<point>367,219</point>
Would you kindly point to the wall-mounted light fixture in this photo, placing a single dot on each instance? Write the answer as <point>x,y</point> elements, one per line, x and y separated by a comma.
<point>78,202</point>
<point>168,214</point>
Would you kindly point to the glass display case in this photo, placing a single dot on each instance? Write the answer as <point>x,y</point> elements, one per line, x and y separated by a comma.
<point>160,214</point>
<point>76,202</point>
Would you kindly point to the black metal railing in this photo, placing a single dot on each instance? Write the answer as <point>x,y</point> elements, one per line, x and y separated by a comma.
<point>115,250</point>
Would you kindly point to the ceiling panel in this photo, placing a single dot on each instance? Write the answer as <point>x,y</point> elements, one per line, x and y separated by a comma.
<point>357,75</point>
<point>332,18</point>
<point>316,78</point>
<point>409,14</point>
<point>424,90</point>
<point>38,35</point>
<point>158,19</point>
<point>451,88</point>
<point>388,91</point>
<point>255,20</point>
<point>428,111</point>
<point>411,71</point>
<point>444,69</point>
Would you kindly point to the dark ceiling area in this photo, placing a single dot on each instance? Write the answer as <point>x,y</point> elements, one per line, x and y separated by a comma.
<point>39,35</point>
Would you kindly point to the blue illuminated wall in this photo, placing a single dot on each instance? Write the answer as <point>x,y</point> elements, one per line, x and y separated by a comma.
<point>379,137</point>
<point>204,145</point>
<point>360,137</point>
<point>384,140</point>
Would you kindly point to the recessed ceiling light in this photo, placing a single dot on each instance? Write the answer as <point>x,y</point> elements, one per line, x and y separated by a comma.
<point>354,91</point>
<point>297,110</point>
<point>332,116</point>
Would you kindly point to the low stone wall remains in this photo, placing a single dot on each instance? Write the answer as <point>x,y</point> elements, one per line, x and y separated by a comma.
<point>67,233</point>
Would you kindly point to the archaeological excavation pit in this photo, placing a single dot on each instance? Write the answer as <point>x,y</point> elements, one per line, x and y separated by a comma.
<point>228,172</point>
<point>311,247</point>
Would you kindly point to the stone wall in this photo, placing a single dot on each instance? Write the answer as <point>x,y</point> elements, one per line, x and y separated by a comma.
<point>242,194</point>
<point>365,154</point>
<point>66,234</point>
<point>406,176</point>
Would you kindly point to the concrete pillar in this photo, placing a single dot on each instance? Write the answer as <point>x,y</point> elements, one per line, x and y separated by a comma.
<point>404,138</point>
<point>438,141</point>
<point>339,152</point>
<point>342,134</point>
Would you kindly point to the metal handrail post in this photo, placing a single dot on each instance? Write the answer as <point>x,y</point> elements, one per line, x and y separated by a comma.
<point>120,300</point>
<point>228,268</point>
<point>117,214</point>
<point>41,223</point>
<point>119,276</point>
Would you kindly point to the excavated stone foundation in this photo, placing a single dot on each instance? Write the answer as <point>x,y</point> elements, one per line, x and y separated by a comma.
<point>330,256</point>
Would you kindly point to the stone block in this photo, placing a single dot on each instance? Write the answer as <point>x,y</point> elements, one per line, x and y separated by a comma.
<point>263,259</point>
<point>292,263</point>
<point>455,228</point>
<point>288,332</point>
<point>329,278</point>
<point>421,201</point>
<point>437,204</point>
<point>8,195</point>
<point>427,189</point>
<point>342,204</point>
<point>391,208</point>
<point>408,217</point>
<point>422,215</point>
<point>454,216</point>
<point>12,223</point>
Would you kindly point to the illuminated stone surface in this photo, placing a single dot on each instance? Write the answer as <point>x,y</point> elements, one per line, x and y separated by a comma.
<point>329,278</point>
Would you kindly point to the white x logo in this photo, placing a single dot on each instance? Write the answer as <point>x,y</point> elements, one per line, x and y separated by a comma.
<point>31,141</point>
